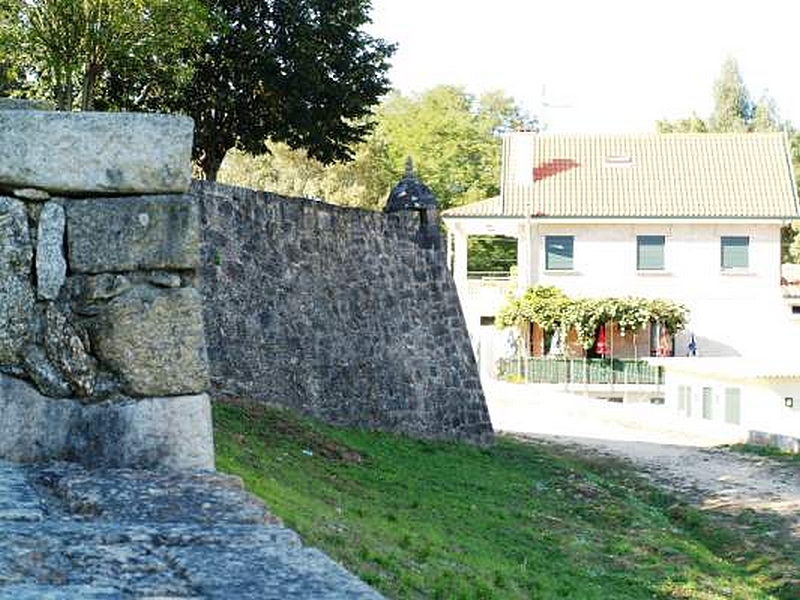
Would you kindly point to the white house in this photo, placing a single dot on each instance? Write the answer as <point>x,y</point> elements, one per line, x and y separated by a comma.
<point>695,218</point>
<point>761,399</point>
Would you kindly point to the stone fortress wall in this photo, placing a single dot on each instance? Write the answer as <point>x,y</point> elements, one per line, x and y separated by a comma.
<point>102,351</point>
<point>345,314</point>
<point>114,274</point>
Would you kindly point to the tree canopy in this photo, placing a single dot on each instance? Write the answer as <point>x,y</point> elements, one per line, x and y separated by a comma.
<point>452,136</point>
<point>301,72</point>
<point>69,49</point>
<point>734,109</point>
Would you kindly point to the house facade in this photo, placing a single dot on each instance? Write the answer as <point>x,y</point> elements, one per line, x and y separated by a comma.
<point>693,218</point>
<point>760,399</point>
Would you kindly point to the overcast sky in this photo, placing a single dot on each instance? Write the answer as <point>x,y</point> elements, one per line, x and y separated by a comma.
<point>603,65</point>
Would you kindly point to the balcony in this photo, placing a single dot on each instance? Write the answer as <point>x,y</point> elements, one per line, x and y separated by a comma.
<point>487,291</point>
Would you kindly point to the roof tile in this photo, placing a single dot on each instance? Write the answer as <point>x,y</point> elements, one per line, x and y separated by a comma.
<point>644,176</point>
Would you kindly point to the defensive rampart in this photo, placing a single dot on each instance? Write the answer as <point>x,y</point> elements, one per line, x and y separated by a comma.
<point>341,313</point>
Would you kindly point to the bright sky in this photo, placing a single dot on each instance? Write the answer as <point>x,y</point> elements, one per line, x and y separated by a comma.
<point>604,65</point>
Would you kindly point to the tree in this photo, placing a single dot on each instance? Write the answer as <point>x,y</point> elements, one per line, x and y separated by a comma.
<point>10,76</point>
<point>302,72</point>
<point>280,170</point>
<point>362,182</point>
<point>70,48</point>
<point>733,108</point>
<point>694,124</point>
<point>453,138</point>
<point>765,115</point>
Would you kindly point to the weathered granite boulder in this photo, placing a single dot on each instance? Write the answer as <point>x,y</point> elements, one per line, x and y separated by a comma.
<point>153,339</point>
<point>95,153</point>
<point>126,234</point>
<point>16,293</point>
<point>51,267</point>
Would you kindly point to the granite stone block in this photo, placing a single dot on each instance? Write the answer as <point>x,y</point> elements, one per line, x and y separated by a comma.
<point>95,153</point>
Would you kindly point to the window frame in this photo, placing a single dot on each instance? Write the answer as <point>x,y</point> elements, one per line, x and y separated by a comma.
<point>663,245</point>
<point>548,239</point>
<point>722,254</point>
<point>733,406</point>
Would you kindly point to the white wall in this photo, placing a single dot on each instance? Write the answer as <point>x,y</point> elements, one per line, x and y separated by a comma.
<point>762,400</point>
<point>731,313</point>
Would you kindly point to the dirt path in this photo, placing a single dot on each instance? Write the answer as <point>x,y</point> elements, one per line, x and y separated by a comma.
<point>712,478</point>
<point>682,457</point>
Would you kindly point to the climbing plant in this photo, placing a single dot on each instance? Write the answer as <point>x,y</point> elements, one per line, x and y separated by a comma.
<point>551,309</point>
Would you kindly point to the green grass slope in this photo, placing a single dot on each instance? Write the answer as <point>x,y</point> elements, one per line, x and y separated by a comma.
<point>517,520</point>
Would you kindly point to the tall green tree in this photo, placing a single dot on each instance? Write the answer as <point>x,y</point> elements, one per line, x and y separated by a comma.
<point>68,49</point>
<point>301,72</point>
<point>10,74</point>
<point>453,137</point>
<point>733,108</point>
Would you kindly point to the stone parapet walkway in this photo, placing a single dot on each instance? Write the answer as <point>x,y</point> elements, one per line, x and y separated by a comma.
<point>67,533</point>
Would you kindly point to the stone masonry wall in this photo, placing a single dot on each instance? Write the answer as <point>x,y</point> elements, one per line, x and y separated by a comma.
<point>336,312</point>
<point>102,350</point>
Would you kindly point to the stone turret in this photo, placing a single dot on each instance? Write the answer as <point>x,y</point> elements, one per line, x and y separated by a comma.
<point>102,349</point>
<point>411,194</point>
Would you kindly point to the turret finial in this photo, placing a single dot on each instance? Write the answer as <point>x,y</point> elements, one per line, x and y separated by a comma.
<point>409,167</point>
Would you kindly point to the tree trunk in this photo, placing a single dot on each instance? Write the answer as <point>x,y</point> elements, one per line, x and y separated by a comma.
<point>64,91</point>
<point>210,163</point>
<point>89,80</point>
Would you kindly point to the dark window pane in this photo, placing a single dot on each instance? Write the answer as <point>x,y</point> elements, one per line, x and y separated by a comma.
<point>649,252</point>
<point>735,252</point>
<point>558,252</point>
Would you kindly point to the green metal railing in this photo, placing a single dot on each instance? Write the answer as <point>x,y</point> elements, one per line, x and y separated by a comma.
<point>588,371</point>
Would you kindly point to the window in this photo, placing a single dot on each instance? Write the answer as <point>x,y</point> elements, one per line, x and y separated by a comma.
<point>685,400</point>
<point>734,252</point>
<point>558,252</point>
<point>733,406</point>
<point>708,403</point>
<point>649,252</point>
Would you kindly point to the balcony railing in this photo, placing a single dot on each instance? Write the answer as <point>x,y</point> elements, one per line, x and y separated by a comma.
<point>489,283</point>
<point>584,371</point>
